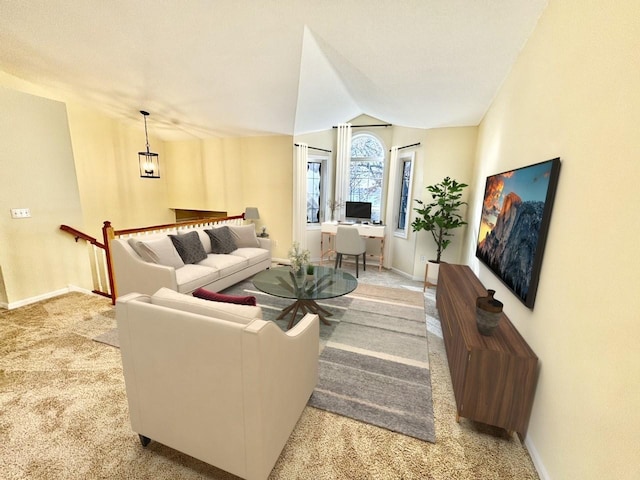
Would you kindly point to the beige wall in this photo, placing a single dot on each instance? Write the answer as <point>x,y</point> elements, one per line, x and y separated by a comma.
<point>230,174</point>
<point>106,160</point>
<point>574,93</point>
<point>267,173</point>
<point>36,161</point>
<point>442,152</point>
<point>105,153</point>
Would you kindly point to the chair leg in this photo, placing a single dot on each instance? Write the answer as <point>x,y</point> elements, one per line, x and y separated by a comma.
<point>357,256</point>
<point>364,261</point>
<point>337,257</point>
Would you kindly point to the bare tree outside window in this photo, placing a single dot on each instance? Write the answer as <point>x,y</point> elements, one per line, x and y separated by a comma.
<point>366,172</point>
<point>314,191</point>
<point>405,186</point>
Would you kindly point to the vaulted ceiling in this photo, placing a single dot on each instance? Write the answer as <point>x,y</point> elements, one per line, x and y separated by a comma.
<point>256,67</point>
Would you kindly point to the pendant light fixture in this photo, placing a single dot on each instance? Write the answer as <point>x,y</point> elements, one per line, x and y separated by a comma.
<point>149,162</point>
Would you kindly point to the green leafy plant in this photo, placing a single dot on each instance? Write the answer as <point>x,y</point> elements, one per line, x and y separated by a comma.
<point>310,269</point>
<point>298,257</point>
<point>441,215</point>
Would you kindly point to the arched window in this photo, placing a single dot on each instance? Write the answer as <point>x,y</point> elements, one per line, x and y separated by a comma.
<point>366,172</point>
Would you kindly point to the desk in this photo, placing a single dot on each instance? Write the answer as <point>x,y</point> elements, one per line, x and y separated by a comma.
<point>368,231</point>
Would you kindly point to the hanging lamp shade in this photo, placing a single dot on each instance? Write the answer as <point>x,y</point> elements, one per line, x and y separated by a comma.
<point>148,161</point>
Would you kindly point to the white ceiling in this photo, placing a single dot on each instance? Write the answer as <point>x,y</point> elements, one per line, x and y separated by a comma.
<point>257,67</point>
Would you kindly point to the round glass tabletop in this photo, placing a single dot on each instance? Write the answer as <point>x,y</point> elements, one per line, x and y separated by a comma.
<point>325,282</point>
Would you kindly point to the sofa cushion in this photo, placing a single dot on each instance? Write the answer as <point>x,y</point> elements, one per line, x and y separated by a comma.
<point>224,298</point>
<point>243,314</point>
<point>193,276</point>
<point>225,264</point>
<point>222,241</point>
<point>189,247</point>
<point>158,250</point>
<point>244,236</point>
<point>253,255</point>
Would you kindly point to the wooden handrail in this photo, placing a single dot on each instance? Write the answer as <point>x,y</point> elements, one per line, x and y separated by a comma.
<point>79,235</point>
<point>129,231</point>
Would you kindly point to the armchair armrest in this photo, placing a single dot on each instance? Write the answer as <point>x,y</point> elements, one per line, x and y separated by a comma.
<point>279,377</point>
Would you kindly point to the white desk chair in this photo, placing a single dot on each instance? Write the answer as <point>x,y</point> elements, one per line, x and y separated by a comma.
<point>349,242</point>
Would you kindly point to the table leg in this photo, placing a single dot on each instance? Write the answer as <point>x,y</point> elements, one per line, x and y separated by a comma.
<point>306,306</point>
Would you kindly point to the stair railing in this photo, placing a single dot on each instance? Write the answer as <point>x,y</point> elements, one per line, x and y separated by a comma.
<point>97,260</point>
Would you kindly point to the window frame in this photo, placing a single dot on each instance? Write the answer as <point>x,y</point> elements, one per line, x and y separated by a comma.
<point>403,159</point>
<point>323,160</point>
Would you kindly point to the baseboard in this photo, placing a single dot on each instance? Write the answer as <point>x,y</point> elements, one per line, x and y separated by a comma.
<point>405,274</point>
<point>280,261</point>
<point>537,461</point>
<point>44,296</point>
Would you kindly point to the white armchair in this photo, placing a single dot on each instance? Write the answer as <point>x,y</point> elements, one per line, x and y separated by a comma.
<point>213,380</point>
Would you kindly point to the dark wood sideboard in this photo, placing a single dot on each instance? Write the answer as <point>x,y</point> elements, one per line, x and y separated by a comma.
<point>494,377</point>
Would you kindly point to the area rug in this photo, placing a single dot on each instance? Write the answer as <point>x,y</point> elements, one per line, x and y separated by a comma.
<point>374,360</point>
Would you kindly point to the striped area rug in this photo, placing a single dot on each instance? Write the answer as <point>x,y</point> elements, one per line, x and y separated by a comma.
<point>374,360</point>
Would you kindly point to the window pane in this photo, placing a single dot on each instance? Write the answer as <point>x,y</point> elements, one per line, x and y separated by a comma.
<point>314,187</point>
<point>404,194</point>
<point>365,184</point>
<point>367,172</point>
<point>366,146</point>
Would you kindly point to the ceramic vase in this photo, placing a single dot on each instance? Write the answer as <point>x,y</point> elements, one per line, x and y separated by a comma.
<point>488,313</point>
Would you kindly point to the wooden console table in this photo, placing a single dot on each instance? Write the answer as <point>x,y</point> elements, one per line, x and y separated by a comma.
<point>494,377</point>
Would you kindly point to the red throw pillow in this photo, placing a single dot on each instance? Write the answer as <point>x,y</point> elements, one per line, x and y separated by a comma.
<point>222,297</point>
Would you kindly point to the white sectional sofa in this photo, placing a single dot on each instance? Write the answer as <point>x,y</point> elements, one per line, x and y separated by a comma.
<point>184,260</point>
<point>213,380</point>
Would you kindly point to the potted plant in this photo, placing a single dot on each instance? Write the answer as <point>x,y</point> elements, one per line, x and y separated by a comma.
<point>441,216</point>
<point>298,257</point>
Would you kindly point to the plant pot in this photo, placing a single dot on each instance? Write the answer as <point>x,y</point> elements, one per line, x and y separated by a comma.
<point>488,313</point>
<point>433,269</point>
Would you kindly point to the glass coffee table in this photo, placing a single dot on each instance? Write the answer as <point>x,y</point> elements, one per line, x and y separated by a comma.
<point>305,289</point>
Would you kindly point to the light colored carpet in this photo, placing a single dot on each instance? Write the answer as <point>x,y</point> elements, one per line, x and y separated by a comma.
<point>64,416</point>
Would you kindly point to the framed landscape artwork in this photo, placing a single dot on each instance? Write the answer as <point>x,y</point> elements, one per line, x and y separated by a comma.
<point>516,212</point>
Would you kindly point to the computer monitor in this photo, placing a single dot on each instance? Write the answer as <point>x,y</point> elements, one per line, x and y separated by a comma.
<point>358,210</point>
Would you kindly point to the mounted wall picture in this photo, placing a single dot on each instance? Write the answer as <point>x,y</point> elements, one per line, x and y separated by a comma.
<point>516,213</point>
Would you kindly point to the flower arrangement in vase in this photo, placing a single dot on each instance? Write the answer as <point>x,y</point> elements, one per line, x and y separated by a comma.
<point>298,257</point>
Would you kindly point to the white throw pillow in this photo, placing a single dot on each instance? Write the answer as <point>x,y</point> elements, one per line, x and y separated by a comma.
<point>160,251</point>
<point>245,236</point>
